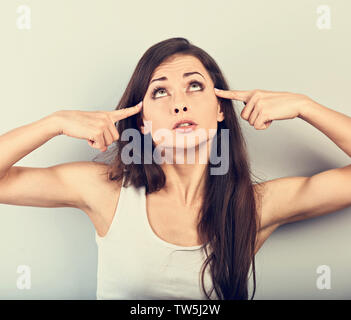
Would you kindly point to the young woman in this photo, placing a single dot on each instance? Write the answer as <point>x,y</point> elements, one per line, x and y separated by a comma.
<point>172,230</point>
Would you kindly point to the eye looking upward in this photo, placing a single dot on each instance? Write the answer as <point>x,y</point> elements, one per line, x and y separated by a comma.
<point>157,89</point>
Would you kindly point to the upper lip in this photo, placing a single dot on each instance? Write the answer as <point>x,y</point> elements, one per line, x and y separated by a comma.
<point>183,121</point>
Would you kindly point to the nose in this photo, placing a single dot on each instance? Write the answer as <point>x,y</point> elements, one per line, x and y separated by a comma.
<point>179,103</point>
<point>177,109</point>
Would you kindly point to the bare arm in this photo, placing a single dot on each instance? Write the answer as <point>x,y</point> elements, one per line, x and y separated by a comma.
<point>73,184</point>
<point>56,186</point>
<point>335,125</point>
<point>19,142</point>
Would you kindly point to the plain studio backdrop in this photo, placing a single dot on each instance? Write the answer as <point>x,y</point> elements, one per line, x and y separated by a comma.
<point>81,54</point>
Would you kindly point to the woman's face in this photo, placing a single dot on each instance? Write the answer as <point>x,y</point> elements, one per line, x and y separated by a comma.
<point>184,82</point>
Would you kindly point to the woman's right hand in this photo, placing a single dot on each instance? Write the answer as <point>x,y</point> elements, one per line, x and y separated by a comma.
<point>97,127</point>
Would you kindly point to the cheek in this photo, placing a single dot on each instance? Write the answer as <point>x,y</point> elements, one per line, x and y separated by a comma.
<point>210,108</point>
<point>151,109</point>
<point>211,101</point>
<point>153,118</point>
<point>148,113</point>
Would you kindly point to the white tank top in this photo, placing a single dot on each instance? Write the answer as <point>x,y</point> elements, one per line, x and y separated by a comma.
<point>134,263</point>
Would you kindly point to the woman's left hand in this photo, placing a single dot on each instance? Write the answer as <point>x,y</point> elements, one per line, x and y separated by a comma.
<point>262,107</point>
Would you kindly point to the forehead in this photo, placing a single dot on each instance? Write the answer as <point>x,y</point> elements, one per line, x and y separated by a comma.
<point>180,64</point>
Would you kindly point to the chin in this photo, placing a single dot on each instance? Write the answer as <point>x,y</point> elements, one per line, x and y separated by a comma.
<point>184,140</point>
<point>184,143</point>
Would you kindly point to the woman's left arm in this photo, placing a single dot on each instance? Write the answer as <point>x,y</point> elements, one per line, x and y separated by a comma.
<point>335,125</point>
<point>290,199</point>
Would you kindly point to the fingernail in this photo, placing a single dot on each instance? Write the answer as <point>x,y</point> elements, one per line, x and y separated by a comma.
<point>140,104</point>
<point>217,89</point>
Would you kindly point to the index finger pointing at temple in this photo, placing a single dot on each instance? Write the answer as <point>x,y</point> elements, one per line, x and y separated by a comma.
<point>126,112</point>
<point>233,94</point>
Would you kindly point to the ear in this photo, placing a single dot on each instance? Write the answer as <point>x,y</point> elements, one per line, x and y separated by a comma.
<point>142,128</point>
<point>140,123</point>
<point>220,115</point>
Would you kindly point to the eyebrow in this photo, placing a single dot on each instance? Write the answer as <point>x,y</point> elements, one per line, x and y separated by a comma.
<point>187,74</point>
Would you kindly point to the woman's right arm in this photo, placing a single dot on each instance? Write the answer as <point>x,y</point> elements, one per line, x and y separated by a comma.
<point>19,142</point>
<point>63,185</point>
<point>57,186</point>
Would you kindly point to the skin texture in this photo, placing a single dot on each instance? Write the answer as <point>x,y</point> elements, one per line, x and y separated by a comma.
<point>184,182</point>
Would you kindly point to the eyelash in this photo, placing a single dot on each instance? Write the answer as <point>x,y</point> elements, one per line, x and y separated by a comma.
<point>154,91</point>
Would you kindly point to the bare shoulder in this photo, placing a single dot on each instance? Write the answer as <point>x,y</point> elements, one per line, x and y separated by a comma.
<point>97,190</point>
<point>101,196</point>
<point>97,193</point>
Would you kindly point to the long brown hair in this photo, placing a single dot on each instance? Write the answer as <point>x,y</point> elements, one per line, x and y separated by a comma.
<point>229,221</point>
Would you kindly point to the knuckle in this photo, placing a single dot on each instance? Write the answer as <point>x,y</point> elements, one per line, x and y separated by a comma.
<point>106,117</point>
<point>101,124</point>
<point>109,118</point>
<point>97,132</point>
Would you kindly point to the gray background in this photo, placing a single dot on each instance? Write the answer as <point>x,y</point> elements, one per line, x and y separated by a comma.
<point>81,54</point>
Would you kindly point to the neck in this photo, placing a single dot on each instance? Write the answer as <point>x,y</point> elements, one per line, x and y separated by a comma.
<point>185,182</point>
